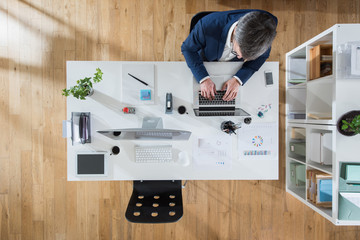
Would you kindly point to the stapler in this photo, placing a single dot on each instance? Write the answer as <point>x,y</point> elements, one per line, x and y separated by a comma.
<point>84,128</point>
<point>169,103</point>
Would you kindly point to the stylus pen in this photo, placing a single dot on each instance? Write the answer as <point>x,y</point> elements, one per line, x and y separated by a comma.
<point>138,79</point>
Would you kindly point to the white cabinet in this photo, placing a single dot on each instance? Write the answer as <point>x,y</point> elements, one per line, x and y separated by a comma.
<point>320,88</point>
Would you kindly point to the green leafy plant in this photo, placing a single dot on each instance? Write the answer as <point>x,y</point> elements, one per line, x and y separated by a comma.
<point>353,126</point>
<point>84,86</point>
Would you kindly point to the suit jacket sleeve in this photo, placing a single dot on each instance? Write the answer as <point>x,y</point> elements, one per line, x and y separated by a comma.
<point>191,49</point>
<point>250,67</point>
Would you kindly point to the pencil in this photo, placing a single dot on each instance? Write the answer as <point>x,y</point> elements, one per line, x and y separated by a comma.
<point>138,80</point>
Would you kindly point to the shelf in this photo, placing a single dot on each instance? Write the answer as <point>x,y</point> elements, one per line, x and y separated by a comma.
<point>296,100</point>
<point>324,168</point>
<point>330,91</point>
<point>324,79</point>
<point>297,160</point>
<point>296,86</point>
<point>297,68</point>
<point>320,94</point>
<point>299,192</point>
<point>325,211</point>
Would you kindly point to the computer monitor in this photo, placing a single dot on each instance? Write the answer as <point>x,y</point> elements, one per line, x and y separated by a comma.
<point>150,130</point>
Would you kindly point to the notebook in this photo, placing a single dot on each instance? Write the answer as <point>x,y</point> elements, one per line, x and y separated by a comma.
<point>131,88</point>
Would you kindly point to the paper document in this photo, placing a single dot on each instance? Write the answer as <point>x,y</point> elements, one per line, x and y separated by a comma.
<point>130,87</point>
<point>258,141</point>
<point>213,152</point>
<point>352,197</point>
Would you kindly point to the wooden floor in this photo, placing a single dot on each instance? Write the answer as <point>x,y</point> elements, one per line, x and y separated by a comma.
<point>37,37</point>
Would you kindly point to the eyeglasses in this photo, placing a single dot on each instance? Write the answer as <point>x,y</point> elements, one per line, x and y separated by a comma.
<point>232,49</point>
<point>234,53</point>
<point>237,55</point>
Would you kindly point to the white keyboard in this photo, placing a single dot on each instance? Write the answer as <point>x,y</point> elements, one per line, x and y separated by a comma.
<point>153,154</point>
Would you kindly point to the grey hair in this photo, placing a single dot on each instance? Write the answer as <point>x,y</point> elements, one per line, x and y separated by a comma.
<point>254,33</point>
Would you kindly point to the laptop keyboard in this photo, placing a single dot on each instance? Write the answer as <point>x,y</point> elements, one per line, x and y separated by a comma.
<point>214,114</point>
<point>216,101</point>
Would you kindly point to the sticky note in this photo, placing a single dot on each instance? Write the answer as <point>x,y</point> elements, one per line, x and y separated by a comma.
<point>145,94</point>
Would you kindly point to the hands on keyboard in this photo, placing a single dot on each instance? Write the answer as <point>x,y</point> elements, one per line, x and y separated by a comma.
<point>218,100</point>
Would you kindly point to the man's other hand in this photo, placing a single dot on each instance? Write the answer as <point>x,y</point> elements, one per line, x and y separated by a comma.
<point>232,88</point>
<point>208,89</point>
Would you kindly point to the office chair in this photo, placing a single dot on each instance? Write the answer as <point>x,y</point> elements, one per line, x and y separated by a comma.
<point>155,202</point>
<point>197,17</point>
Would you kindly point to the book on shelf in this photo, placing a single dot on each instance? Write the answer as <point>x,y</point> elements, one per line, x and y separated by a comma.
<point>320,116</point>
<point>326,57</point>
<point>296,115</point>
<point>324,191</point>
<point>296,81</point>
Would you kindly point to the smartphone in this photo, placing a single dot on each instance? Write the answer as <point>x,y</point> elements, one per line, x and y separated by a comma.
<point>268,78</point>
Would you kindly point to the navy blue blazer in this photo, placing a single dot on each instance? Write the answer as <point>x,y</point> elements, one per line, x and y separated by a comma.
<point>207,41</point>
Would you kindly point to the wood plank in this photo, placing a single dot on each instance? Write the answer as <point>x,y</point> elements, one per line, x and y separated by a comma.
<point>255,205</point>
<point>15,176</point>
<point>105,216</point>
<point>26,195</point>
<point>245,210</point>
<point>38,202</point>
<point>92,209</point>
<point>71,210</point>
<point>60,207</point>
<point>81,212</point>
<point>49,220</point>
<point>4,108</point>
<point>38,230</point>
<point>4,217</point>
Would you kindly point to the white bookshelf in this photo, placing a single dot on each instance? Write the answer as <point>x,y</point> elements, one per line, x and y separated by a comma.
<point>315,100</point>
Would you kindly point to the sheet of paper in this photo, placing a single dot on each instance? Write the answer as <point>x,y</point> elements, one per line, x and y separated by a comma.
<point>352,197</point>
<point>258,141</point>
<point>213,152</point>
<point>131,87</point>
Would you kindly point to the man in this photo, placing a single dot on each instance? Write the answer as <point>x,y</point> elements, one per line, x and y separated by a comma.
<point>238,35</point>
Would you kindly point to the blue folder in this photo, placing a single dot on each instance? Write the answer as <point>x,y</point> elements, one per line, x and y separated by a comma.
<point>325,190</point>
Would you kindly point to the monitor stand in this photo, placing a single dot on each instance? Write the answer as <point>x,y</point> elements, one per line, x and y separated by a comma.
<point>152,123</point>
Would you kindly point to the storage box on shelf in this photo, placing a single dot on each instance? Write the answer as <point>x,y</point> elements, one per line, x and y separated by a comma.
<point>296,159</point>
<point>349,191</point>
<point>321,87</point>
<point>297,178</point>
<point>319,191</point>
<point>321,145</point>
<point>319,188</point>
<point>297,144</point>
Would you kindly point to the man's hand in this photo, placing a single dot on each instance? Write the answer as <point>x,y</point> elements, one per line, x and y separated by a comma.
<point>232,88</point>
<point>208,89</point>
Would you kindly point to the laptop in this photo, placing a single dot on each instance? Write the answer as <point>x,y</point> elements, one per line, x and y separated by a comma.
<point>217,107</point>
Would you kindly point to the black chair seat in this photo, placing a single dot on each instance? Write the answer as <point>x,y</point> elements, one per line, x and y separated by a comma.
<point>197,17</point>
<point>155,202</point>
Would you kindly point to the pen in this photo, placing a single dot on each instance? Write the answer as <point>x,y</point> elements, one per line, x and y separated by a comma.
<point>138,79</point>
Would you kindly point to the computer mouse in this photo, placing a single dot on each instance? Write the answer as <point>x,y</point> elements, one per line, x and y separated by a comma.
<point>183,158</point>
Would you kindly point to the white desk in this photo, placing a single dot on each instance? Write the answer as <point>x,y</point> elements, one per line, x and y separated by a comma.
<point>175,77</point>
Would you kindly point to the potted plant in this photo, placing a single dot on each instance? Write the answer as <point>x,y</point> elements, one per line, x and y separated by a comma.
<point>349,123</point>
<point>84,87</point>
